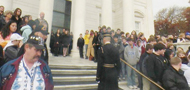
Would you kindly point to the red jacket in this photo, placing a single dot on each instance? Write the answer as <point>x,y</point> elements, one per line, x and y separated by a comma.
<point>8,73</point>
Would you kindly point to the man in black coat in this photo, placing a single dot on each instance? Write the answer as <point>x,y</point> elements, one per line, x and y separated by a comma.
<point>108,66</point>
<point>80,45</point>
<point>156,64</point>
<point>173,77</point>
<point>143,83</point>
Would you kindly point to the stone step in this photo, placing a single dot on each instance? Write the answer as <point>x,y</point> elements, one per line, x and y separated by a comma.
<point>74,72</point>
<point>73,67</point>
<point>69,80</point>
<point>81,86</point>
<point>74,79</point>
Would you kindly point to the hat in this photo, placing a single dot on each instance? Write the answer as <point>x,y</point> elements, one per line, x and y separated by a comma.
<point>187,33</point>
<point>42,31</point>
<point>36,41</point>
<point>16,36</point>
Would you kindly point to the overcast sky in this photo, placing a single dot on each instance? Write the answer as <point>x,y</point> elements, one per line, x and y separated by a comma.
<point>160,4</point>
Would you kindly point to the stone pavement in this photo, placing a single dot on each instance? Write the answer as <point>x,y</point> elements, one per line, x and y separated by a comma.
<point>74,59</point>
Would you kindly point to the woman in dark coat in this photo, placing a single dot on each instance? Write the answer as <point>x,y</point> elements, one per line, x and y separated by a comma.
<point>95,45</point>
<point>16,18</point>
<point>65,42</point>
<point>57,42</point>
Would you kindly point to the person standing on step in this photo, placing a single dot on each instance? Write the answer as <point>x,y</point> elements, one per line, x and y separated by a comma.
<point>108,66</point>
<point>80,45</point>
<point>131,55</point>
<point>86,39</point>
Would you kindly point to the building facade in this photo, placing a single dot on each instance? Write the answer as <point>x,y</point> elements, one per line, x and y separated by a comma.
<point>81,15</point>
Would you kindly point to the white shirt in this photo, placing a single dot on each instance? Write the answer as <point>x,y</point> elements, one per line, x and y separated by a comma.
<point>23,80</point>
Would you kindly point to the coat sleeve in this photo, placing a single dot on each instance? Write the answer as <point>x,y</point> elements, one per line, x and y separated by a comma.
<point>150,68</point>
<point>137,52</point>
<point>125,54</point>
<point>100,65</point>
<point>169,82</point>
<point>78,43</point>
<point>11,53</point>
<point>118,63</point>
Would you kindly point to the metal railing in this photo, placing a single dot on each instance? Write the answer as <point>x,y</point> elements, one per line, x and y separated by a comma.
<point>142,74</point>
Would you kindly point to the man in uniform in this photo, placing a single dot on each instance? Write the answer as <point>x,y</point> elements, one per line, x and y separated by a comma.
<point>108,66</point>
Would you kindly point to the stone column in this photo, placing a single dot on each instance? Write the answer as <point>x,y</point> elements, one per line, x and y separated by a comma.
<point>46,6</point>
<point>128,16</point>
<point>77,20</point>
<point>107,13</point>
<point>149,19</point>
<point>7,4</point>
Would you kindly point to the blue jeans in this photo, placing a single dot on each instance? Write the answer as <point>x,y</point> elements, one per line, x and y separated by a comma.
<point>86,48</point>
<point>131,76</point>
<point>123,70</point>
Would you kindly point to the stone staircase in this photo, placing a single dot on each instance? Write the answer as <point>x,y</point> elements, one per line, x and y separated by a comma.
<point>75,77</point>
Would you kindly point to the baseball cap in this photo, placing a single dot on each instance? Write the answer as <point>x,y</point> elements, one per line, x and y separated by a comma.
<point>36,41</point>
<point>187,33</point>
<point>16,36</point>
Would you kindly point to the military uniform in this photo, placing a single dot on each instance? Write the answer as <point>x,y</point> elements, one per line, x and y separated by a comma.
<point>108,68</point>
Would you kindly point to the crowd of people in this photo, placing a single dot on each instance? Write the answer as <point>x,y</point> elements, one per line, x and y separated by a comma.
<point>23,52</point>
<point>157,57</point>
<point>61,43</point>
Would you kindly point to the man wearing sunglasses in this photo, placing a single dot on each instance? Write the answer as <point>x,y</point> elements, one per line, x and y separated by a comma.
<point>28,72</point>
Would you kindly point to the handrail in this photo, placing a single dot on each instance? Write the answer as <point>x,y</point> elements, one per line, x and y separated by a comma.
<point>142,74</point>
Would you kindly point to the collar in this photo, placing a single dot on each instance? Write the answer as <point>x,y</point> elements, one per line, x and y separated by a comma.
<point>17,62</point>
<point>108,42</point>
<point>34,65</point>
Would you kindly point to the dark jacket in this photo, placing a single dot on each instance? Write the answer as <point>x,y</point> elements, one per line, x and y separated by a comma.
<point>57,39</point>
<point>155,66</point>
<point>65,40</point>
<point>142,61</point>
<point>38,24</point>
<point>19,22</point>
<point>108,76</point>
<point>95,40</point>
<point>174,80</point>
<point>80,42</point>
<point>8,73</point>
<point>2,23</point>
<point>11,53</point>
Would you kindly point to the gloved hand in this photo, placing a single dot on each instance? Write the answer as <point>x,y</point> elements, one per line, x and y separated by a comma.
<point>98,80</point>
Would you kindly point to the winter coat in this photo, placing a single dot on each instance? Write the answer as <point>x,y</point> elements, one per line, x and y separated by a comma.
<point>186,70</point>
<point>11,53</point>
<point>8,73</point>
<point>90,50</point>
<point>65,40</point>
<point>2,23</point>
<point>26,31</point>
<point>155,66</point>
<point>80,42</point>
<point>174,80</point>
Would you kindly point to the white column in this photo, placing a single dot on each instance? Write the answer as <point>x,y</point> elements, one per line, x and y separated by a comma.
<point>77,20</point>
<point>128,16</point>
<point>46,6</point>
<point>7,4</point>
<point>149,19</point>
<point>107,13</point>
